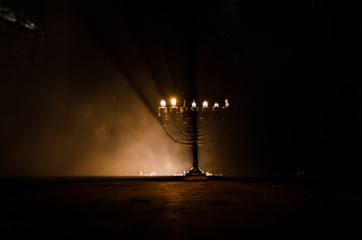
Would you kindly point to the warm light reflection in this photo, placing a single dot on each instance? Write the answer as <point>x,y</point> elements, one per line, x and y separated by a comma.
<point>163,103</point>
<point>193,104</point>
<point>205,104</point>
<point>173,102</point>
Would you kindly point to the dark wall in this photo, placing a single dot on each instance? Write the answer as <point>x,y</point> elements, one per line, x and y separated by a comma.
<point>289,69</point>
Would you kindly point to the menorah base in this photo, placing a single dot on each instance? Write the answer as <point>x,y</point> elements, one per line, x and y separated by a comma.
<point>195,174</point>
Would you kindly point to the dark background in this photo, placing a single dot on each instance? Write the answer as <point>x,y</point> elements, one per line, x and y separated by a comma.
<point>81,98</point>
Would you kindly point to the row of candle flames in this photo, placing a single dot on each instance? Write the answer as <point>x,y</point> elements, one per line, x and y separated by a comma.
<point>205,105</point>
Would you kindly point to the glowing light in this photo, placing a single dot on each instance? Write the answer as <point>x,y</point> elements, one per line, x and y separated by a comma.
<point>193,104</point>
<point>205,104</point>
<point>226,103</point>
<point>216,105</point>
<point>213,174</point>
<point>163,103</point>
<point>173,102</point>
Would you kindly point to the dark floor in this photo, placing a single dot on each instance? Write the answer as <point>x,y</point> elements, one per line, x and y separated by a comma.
<point>167,208</point>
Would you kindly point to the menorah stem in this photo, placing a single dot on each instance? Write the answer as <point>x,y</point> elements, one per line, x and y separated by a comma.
<point>195,173</point>
<point>195,162</point>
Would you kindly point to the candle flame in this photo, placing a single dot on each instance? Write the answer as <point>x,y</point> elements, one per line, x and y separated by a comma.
<point>193,105</point>
<point>163,103</point>
<point>226,103</point>
<point>205,104</point>
<point>216,105</point>
<point>173,102</point>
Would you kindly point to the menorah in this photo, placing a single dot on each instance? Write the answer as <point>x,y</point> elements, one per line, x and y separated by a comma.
<point>194,127</point>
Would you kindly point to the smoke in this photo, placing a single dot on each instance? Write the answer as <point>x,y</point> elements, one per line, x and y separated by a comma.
<point>112,134</point>
<point>68,110</point>
<point>87,128</point>
<point>82,98</point>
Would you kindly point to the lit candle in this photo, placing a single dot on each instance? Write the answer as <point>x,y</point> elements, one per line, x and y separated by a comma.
<point>226,103</point>
<point>173,102</point>
<point>173,108</point>
<point>193,105</point>
<point>162,110</point>
<point>215,107</point>
<point>163,103</point>
<point>205,106</point>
